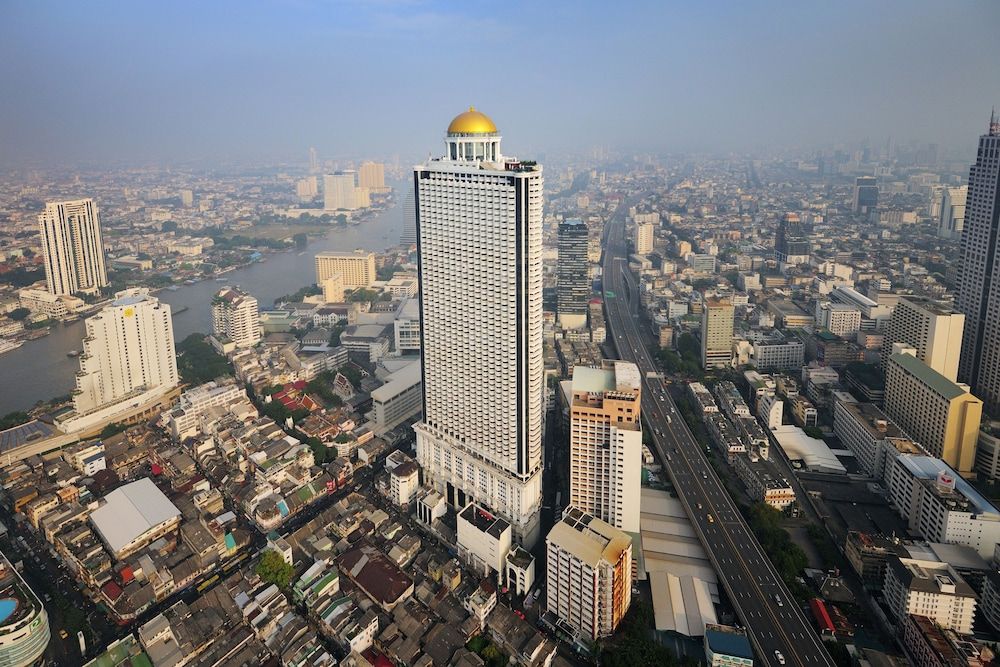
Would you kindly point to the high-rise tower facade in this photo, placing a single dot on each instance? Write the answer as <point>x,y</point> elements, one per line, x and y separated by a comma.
<point>128,349</point>
<point>791,245</point>
<point>573,290</point>
<point>479,236</point>
<point>979,273</point>
<point>72,247</point>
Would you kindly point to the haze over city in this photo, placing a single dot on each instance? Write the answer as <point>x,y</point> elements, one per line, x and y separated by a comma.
<point>212,82</point>
<point>411,333</point>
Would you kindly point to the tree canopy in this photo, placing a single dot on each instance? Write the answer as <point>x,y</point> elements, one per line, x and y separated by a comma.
<point>273,569</point>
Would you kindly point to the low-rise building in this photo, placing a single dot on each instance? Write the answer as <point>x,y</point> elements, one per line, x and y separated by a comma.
<point>484,539</point>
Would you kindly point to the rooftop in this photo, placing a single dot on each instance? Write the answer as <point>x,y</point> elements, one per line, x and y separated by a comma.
<point>131,510</point>
<point>938,383</point>
<point>484,521</point>
<point>728,640</point>
<point>588,538</point>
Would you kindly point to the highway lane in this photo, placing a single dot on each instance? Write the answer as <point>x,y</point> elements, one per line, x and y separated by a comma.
<point>773,618</point>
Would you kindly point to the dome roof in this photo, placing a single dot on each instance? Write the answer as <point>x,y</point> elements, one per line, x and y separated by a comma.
<point>472,122</point>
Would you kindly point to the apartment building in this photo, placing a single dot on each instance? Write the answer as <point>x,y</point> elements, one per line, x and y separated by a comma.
<point>932,329</point>
<point>929,588</point>
<point>356,269</point>
<point>236,317</point>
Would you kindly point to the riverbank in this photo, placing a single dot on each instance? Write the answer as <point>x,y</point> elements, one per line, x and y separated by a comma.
<point>40,369</point>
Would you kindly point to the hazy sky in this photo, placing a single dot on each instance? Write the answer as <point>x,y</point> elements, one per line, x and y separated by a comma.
<point>222,79</point>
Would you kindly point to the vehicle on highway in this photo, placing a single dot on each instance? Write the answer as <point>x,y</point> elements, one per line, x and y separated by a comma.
<point>779,657</point>
<point>662,399</point>
<point>669,420</point>
<point>704,475</point>
<point>777,598</point>
<point>699,505</point>
<point>62,633</point>
<point>711,519</point>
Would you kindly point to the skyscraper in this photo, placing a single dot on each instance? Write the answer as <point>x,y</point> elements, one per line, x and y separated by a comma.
<point>408,235</point>
<point>313,161</point>
<point>371,175</point>
<point>339,191</point>
<point>235,316</point>
<point>643,238</point>
<point>72,247</point>
<point>479,235</point>
<point>573,289</point>
<point>128,350</point>
<point>865,195</point>
<point>791,245</point>
<point>717,319</point>
<point>605,443</point>
<point>978,280</point>
<point>951,221</point>
<point>931,328</point>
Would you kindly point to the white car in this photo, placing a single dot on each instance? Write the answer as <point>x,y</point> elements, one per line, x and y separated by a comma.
<point>780,658</point>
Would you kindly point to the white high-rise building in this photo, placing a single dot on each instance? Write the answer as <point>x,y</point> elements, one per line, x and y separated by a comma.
<point>479,227</point>
<point>235,316</point>
<point>339,191</point>
<point>605,443</point>
<point>72,247</point>
<point>128,350</point>
<point>643,238</point>
<point>952,218</point>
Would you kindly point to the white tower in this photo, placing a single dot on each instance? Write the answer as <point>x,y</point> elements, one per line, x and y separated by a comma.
<point>129,349</point>
<point>72,247</point>
<point>479,235</point>
<point>236,316</point>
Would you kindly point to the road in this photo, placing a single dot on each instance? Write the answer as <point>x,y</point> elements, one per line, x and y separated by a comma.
<point>772,617</point>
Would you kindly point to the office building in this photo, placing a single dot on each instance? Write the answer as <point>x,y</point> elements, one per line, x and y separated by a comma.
<point>356,269</point>
<point>938,413</point>
<point>978,277</point>
<point>930,328</point>
<point>605,443</point>
<point>840,319</point>
<point>573,291</point>
<point>931,589</point>
<point>341,193</point>
<point>128,350</point>
<point>479,225</point>
<point>717,318</point>
<point>643,238</point>
<point>588,566</point>
<point>235,317</point>
<point>24,624</point>
<point>399,400</point>
<point>951,220</point>
<point>865,195</point>
<point>791,244</point>
<point>72,247</point>
<point>874,438</point>
<point>371,176</point>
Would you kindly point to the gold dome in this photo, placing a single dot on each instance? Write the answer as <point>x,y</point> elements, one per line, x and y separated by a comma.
<point>472,122</point>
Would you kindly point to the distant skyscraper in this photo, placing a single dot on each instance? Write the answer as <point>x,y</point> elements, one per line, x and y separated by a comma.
<point>605,443</point>
<point>313,161</point>
<point>235,316</point>
<point>479,230</point>
<point>371,175</point>
<point>865,195</point>
<point>952,217</point>
<point>717,319</point>
<point>128,349</point>
<point>72,247</point>
<point>306,188</point>
<point>791,244</point>
<point>643,238</point>
<point>339,191</point>
<point>979,273</point>
<point>409,234</point>
<point>573,291</point>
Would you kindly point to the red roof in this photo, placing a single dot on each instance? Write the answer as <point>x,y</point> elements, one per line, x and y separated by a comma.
<point>157,470</point>
<point>822,616</point>
<point>111,590</point>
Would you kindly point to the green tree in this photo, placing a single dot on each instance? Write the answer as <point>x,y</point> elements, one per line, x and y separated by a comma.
<point>352,374</point>
<point>18,314</point>
<point>198,362</point>
<point>301,240</point>
<point>273,569</point>
<point>113,428</point>
<point>168,226</point>
<point>362,294</point>
<point>12,419</point>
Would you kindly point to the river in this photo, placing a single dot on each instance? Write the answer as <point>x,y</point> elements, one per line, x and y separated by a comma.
<point>40,370</point>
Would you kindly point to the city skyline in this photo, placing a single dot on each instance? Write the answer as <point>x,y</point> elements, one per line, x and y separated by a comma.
<point>206,94</point>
